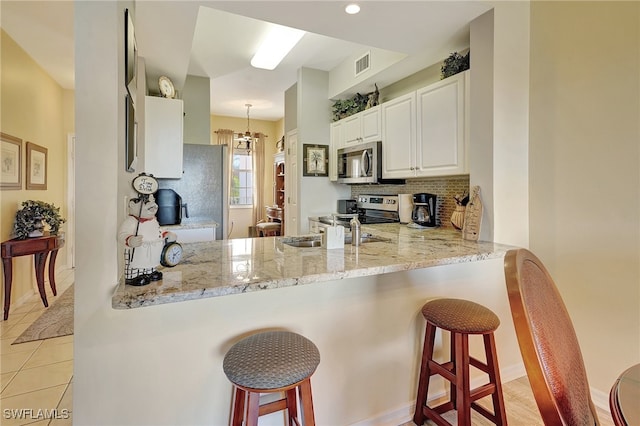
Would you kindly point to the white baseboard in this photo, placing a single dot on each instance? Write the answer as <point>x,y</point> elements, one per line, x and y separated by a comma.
<point>404,413</point>
<point>600,400</point>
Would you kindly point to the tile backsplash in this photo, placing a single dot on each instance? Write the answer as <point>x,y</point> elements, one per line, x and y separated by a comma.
<point>444,187</point>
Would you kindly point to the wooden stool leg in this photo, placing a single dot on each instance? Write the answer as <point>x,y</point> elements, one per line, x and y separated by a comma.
<point>452,385</point>
<point>463,391</point>
<point>292,406</point>
<point>494,377</point>
<point>307,403</point>
<point>237,414</point>
<point>253,409</point>
<point>425,374</point>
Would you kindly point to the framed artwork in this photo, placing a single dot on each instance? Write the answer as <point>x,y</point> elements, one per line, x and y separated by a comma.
<point>130,50</point>
<point>11,162</point>
<point>36,166</point>
<point>315,160</point>
<point>130,150</point>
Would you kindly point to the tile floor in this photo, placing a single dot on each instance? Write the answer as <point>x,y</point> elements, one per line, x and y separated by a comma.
<point>35,377</point>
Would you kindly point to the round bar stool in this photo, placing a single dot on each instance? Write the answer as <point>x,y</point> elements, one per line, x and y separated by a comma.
<point>461,318</point>
<point>268,362</point>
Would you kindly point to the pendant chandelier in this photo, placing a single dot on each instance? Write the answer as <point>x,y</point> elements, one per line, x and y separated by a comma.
<point>245,139</point>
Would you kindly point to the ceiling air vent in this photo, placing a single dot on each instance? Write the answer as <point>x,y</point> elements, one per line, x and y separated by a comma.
<point>363,64</point>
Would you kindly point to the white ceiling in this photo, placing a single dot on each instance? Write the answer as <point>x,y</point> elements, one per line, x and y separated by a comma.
<point>217,39</point>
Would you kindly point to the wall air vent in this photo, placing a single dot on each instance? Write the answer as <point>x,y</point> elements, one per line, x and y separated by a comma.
<point>363,63</point>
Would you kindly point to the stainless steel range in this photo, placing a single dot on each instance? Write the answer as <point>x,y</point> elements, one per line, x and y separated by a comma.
<point>371,209</point>
<point>378,209</point>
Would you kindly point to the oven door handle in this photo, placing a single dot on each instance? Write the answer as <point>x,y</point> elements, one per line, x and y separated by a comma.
<point>366,160</point>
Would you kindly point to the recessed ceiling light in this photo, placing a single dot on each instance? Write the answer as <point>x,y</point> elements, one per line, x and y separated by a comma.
<point>276,46</point>
<point>352,9</point>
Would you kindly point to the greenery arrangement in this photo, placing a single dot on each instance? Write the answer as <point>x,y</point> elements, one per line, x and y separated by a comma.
<point>32,216</point>
<point>345,107</point>
<point>454,64</point>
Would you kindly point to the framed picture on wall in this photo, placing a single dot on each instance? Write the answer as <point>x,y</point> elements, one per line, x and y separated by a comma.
<point>11,162</point>
<point>130,150</point>
<point>36,166</point>
<point>315,160</point>
<point>130,51</point>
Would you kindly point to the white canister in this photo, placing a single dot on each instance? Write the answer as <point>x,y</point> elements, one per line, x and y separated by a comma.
<point>333,237</point>
<point>405,207</point>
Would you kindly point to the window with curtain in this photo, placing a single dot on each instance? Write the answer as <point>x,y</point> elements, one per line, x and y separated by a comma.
<point>241,179</point>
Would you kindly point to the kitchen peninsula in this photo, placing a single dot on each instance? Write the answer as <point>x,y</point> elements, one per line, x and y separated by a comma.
<point>359,305</point>
<point>220,268</point>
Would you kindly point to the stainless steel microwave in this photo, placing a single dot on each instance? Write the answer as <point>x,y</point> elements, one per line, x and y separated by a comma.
<point>362,163</point>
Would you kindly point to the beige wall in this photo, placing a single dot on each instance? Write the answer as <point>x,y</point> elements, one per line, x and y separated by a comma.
<point>241,218</point>
<point>35,109</point>
<point>584,174</point>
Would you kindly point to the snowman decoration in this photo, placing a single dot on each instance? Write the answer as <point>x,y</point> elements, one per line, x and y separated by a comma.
<point>145,244</point>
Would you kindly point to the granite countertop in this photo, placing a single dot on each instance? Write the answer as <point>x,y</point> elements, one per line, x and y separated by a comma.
<point>225,267</point>
<point>193,223</point>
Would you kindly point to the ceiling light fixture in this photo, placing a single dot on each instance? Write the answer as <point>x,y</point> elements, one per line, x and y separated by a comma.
<point>247,137</point>
<point>276,46</point>
<point>352,9</point>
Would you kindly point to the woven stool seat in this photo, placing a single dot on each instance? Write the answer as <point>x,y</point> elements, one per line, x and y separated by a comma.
<point>460,316</point>
<point>268,228</point>
<point>271,360</point>
<point>268,225</point>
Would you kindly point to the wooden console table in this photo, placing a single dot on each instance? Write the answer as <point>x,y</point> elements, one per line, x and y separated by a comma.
<point>40,247</point>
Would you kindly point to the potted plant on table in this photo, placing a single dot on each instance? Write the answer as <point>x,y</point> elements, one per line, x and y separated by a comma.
<point>32,217</point>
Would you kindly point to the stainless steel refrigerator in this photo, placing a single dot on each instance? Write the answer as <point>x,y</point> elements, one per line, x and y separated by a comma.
<point>203,186</point>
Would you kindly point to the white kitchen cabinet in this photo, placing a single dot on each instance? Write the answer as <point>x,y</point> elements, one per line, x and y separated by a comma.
<point>195,235</point>
<point>424,133</point>
<point>163,144</point>
<point>399,137</point>
<point>365,126</point>
<point>291,183</point>
<point>441,127</point>
<point>335,143</point>
<point>362,127</point>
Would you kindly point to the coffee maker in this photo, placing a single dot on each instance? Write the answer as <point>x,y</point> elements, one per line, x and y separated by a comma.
<point>424,209</point>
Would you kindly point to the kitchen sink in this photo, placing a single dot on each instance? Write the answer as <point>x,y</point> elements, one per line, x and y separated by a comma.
<point>366,238</point>
<point>303,243</point>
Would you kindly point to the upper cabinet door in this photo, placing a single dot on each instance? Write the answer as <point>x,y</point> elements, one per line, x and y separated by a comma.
<point>399,137</point>
<point>351,130</point>
<point>163,121</point>
<point>441,127</point>
<point>371,125</point>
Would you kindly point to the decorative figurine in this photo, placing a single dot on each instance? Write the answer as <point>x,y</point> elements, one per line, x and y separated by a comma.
<point>144,242</point>
<point>373,98</point>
